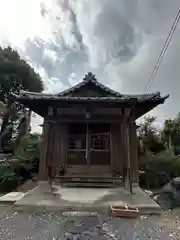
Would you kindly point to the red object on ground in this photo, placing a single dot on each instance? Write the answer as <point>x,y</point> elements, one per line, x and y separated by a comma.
<point>124,211</point>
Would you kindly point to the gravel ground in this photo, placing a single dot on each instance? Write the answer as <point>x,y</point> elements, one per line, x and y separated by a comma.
<point>22,225</point>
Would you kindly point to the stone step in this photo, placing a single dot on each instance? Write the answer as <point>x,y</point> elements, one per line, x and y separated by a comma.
<point>11,197</point>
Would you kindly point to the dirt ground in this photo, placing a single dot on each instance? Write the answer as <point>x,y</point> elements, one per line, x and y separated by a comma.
<point>169,219</point>
<point>21,225</point>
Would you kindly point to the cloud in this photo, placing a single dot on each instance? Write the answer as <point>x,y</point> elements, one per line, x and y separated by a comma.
<point>119,40</point>
<point>21,19</point>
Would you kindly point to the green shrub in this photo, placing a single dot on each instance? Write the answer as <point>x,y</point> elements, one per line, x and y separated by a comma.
<point>29,147</point>
<point>22,166</point>
<point>159,169</point>
<point>27,156</point>
<point>8,179</point>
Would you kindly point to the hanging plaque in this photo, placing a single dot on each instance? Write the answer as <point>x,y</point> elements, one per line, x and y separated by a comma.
<point>50,111</point>
<point>59,111</point>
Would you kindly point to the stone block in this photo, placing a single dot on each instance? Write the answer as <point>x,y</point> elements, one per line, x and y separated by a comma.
<point>11,197</point>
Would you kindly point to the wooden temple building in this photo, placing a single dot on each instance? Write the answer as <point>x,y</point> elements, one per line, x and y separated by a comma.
<point>89,132</point>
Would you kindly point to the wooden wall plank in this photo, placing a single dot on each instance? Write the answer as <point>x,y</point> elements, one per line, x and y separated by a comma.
<point>53,148</point>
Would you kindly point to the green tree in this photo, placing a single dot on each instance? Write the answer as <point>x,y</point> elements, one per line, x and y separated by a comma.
<point>149,136</point>
<point>171,133</point>
<point>15,74</point>
<point>15,69</point>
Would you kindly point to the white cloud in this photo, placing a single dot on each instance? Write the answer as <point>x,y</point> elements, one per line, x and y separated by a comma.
<point>21,19</point>
<point>119,40</point>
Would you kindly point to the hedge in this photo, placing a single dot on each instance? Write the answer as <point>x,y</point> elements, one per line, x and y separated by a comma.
<point>159,169</point>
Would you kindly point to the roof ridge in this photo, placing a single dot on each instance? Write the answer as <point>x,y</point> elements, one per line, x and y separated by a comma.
<point>90,78</point>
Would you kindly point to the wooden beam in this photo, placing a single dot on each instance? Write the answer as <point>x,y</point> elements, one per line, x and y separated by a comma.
<point>83,119</point>
<point>79,111</point>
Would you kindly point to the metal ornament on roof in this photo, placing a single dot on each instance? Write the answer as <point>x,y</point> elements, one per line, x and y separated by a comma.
<point>89,76</point>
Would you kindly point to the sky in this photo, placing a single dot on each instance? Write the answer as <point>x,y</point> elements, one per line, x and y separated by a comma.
<point>118,40</point>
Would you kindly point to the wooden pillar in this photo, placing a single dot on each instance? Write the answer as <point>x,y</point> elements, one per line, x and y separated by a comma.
<point>116,150</point>
<point>87,157</point>
<point>43,152</point>
<point>128,172</point>
<point>60,146</point>
<point>134,153</point>
<point>127,149</point>
<point>124,152</point>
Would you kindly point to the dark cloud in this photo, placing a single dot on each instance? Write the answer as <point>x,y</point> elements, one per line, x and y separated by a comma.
<point>119,40</point>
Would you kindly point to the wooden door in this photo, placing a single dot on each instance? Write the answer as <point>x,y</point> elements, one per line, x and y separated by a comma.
<point>76,153</point>
<point>88,144</point>
<point>99,144</point>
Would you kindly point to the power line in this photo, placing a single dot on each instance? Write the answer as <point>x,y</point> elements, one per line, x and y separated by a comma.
<point>163,51</point>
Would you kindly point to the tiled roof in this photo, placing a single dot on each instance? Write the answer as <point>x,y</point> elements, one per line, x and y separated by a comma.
<point>112,96</point>
<point>90,78</point>
<point>123,98</point>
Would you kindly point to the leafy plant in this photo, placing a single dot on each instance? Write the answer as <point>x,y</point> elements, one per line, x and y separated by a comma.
<point>22,166</point>
<point>158,169</point>
<point>15,75</point>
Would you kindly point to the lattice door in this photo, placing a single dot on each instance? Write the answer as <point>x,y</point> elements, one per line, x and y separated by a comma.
<point>100,149</point>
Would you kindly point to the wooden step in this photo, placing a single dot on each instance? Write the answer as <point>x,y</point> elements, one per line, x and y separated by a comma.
<point>85,177</point>
<point>88,170</point>
<point>88,185</point>
<point>91,181</point>
<point>88,176</point>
